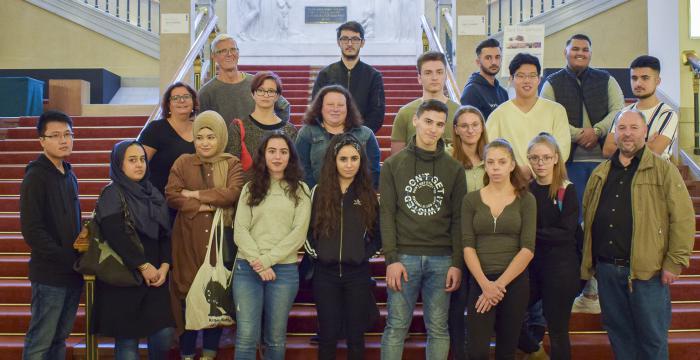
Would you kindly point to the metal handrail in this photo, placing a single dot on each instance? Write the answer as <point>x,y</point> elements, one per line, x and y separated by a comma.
<point>434,44</point>
<point>691,59</point>
<point>188,62</point>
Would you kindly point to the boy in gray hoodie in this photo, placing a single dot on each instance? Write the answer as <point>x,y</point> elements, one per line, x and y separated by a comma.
<point>422,189</point>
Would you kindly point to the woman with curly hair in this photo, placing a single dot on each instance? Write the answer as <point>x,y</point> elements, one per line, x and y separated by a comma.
<point>343,235</point>
<point>271,223</point>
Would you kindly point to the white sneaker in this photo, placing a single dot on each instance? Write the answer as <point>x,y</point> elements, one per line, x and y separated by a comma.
<point>586,305</point>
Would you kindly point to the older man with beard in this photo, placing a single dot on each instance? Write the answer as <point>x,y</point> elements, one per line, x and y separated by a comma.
<point>637,251</point>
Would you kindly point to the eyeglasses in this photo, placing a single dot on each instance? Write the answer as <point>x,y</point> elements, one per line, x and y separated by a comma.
<point>59,136</point>
<point>267,93</point>
<point>177,98</point>
<point>346,40</point>
<point>534,159</point>
<point>229,51</point>
<point>531,76</point>
<point>464,127</point>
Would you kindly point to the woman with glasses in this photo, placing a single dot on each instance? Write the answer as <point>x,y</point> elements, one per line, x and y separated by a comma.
<point>266,89</point>
<point>554,272</point>
<point>343,235</point>
<point>333,112</point>
<point>272,220</point>
<point>498,234</point>
<point>168,138</point>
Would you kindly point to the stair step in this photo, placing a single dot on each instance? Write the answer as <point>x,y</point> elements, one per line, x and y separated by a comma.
<point>76,157</point>
<point>79,121</point>
<point>82,132</point>
<point>11,203</point>
<point>13,243</point>
<point>32,144</point>
<point>391,102</point>
<point>16,319</point>
<point>91,187</point>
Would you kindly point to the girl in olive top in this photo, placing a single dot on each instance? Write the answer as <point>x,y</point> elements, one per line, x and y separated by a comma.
<point>271,223</point>
<point>470,139</point>
<point>498,233</point>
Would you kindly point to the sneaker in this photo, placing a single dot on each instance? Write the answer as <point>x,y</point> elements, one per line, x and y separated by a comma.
<point>540,354</point>
<point>586,305</point>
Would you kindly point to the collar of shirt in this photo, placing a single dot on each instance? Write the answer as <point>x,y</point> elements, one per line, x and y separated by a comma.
<point>635,160</point>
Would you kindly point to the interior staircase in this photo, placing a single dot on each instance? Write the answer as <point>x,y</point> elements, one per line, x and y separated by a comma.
<point>95,137</point>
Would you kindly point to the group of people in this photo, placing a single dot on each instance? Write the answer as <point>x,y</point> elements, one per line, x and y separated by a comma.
<point>480,210</point>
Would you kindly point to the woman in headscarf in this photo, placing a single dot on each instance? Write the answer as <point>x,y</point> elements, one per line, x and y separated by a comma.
<point>199,184</point>
<point>130,313</point>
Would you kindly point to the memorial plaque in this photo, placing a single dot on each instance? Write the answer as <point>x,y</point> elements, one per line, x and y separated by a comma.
<point>325,14</point>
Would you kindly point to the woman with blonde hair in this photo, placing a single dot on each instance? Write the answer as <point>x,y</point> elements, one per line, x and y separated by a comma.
<point>554,271</point>
<point>470,139</point>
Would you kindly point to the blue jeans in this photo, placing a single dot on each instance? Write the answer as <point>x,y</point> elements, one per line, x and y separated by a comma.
<point>579,172</point>
<point>159,344</point>
<point>637,322</point>
<point>427,275</point>
<point>253,298</point>
<point>53,313</point>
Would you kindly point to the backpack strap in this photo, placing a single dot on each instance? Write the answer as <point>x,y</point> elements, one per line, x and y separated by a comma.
<point>560,194</point>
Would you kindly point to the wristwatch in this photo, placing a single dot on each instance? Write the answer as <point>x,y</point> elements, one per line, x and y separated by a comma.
<point>597,131</point>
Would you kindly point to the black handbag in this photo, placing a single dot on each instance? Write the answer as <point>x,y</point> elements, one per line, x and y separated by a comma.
<point>229,248</point>
<point>101,260</point>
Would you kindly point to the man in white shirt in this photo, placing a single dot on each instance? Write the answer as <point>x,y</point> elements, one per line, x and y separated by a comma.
<point>662,121</point>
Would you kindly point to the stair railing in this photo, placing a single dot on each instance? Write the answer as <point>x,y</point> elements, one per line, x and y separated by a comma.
<point>198,60</point>
<point>691,59</point>
<point>501,13</point>
<point>141,13</point>
<point>430,39</point>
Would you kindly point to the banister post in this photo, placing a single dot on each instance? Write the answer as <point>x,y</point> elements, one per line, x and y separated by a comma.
<point>90,338</point>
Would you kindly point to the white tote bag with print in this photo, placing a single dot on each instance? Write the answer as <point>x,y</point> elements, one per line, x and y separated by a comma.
<point>209,302</point>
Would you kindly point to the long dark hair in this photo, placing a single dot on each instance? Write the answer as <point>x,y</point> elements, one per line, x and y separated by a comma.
<point>517,179</point>
<point>328,197</point>
<point>313,115</point>
<point>457,150</point>
<point>260,183</point>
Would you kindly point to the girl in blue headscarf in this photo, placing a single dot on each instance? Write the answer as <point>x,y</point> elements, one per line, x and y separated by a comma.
<point>130,313</point>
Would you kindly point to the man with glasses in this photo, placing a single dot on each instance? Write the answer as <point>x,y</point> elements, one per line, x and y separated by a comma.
<point>50,218</point>
<point>591,98</point>
<point>522,118</point>
<point>363,81</point>
<point>229,92</point>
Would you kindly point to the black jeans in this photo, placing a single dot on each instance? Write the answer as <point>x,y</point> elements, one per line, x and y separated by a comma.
<point>341,300</point>
<point>506,318</point>
<point>455,322</point>
<point>555,281</point>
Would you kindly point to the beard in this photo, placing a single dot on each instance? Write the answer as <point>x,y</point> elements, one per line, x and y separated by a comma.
<point>488,71</point>
<point>351,56</point>
<point>645,96</point>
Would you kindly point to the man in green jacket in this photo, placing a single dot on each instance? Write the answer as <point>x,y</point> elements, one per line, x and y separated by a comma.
<point>639,232</point>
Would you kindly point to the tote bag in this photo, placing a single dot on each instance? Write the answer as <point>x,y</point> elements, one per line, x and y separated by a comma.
<point>209,302</point>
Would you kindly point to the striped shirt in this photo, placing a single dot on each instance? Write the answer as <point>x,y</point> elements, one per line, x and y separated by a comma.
<point>660,119</point>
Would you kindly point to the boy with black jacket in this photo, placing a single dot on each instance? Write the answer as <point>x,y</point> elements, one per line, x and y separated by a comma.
<point>363,81</point>
<point>422,189</point>
<point>50,221</point>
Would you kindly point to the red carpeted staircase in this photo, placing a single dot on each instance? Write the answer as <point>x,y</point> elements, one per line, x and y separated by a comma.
<point>95,137</point>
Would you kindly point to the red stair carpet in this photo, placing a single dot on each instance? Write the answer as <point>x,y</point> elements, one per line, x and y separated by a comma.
<point>95,137</point>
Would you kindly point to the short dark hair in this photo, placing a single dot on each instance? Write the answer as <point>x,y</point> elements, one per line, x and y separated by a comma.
<point>432,105</point>
<point>351,26</point>
<point>646,61</point>
<point>431,56</point>
<point>523,59</point>
<point>488,43</point>
<point>260,78</point>
<point>49,116</point>
<point>579,37</point>
<point>165,102</point>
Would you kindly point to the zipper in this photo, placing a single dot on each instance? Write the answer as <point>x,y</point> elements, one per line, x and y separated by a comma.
<point>340,257</point>
<point>349,75</point>
<point>494,223</point>
<point>629,277</point>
